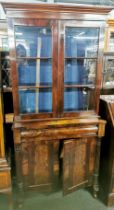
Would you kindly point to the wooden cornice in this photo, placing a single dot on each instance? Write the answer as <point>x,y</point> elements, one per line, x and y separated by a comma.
<point>59,8</point>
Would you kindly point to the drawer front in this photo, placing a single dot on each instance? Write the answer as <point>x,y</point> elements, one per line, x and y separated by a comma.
<point>5,180</point>
<point>59,133</point>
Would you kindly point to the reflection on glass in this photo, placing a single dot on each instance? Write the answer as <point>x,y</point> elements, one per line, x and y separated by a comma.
<point>111,42</point>
<point>80,71</point>
<point>108,80</point>
<point>34,72</point>
<point>5,46</point>
<point>35,101</point>
<point>81,42</point>
<point>76,99</point>
<point>33,41</point>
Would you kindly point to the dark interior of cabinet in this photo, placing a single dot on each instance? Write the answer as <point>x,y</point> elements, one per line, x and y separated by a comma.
<point>8,131</point>
<point>7,103</point>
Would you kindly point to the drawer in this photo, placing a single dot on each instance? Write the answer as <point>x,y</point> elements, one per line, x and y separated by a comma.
<point>59,133</point>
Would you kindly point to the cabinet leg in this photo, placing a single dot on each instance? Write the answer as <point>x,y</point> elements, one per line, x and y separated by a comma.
<point>96,171</point>
<point>95,186</point>
<point>20,193</point>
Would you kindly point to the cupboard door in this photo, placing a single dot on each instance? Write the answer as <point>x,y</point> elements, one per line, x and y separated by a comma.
<point>37,165</point>
<point>78,163</point>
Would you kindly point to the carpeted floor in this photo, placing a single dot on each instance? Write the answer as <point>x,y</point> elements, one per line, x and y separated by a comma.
<point>79,200</point>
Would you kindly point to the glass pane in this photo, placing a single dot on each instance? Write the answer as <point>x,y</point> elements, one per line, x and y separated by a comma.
<point>108,80</point>
<point>86,2</point>
<point>80,71</point>
<point>33,41</point>
<point>77,99</point>
<point>81,42</point>
<point>111,42</point>
<point>35,101</point>
<point>34,72</point>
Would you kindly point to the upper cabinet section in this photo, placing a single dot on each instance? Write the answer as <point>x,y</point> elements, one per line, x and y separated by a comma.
<point>56,58</point>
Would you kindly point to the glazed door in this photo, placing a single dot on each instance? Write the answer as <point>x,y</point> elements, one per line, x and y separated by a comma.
<point>80,67</point>
<point>78,163</point>
<point>34,82</point>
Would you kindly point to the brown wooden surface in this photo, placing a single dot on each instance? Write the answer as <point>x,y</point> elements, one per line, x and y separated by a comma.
<point>9,118</point>
<point>37,169</point>
<point>107,152</point>
<point>61,10</point>
<point>31,145</point>
<point>5,179</point>
<point>60,133</point>
<point>77,167</point>
<point>5,182</point>
<point>111,105</point>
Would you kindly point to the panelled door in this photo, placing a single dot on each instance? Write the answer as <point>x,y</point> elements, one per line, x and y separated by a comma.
<point>78,163</point>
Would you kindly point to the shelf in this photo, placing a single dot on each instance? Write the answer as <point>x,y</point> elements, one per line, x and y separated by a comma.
<point>7,89</point>
<point>34,87</point>
<point>5,58</point>
<point>81,58</point>
<point>108,87</point>
<point>109,53</point>
<point>7,69</point>
<point>9,118</point>
<point>34,58</point>
<point>79,86</point>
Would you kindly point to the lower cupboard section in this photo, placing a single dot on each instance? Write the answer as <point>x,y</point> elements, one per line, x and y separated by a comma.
<point>46,165</point>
